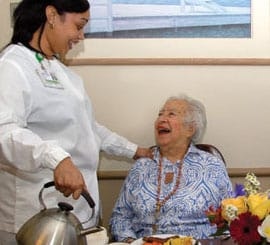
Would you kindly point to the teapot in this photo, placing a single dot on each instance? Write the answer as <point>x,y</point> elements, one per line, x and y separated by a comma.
<point>56,226</point>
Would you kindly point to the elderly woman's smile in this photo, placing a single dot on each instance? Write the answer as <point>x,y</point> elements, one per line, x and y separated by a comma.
<point>163,130</point>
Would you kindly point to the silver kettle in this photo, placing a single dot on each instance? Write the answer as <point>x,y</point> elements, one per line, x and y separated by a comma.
<point>56,226</point>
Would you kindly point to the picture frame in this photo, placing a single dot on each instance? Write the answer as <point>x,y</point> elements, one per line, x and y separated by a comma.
<point>169,19</point>
<point>182,51</point>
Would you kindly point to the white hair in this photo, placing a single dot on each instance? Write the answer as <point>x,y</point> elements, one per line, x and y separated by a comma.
<point>195,115</point>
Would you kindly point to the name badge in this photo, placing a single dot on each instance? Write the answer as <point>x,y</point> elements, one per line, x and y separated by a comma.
<point>48,79</point>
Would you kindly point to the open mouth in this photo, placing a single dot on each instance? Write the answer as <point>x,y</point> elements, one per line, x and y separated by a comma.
<point>162,130</point>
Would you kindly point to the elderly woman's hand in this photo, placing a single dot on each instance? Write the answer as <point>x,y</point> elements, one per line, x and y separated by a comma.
<point>143,152</point>
<point>68,179</point>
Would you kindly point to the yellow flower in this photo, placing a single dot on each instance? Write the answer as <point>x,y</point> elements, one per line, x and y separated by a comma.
<point>238,202</point>
<point>259,204</point>
<point>264,228</point>
<point>254,200</point>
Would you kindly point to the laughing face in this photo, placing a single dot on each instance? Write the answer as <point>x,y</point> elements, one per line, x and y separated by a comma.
<point>170,131</point>
<point>64,30</point>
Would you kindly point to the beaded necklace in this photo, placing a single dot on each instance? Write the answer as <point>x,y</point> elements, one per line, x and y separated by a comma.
<point>160,203</point>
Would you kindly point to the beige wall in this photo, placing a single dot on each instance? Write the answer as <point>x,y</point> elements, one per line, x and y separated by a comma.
<point>127,98</point>
<point>5,22</point>
<point>237,98</point>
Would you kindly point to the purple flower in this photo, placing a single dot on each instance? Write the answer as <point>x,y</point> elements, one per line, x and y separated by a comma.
<point>239,190</point>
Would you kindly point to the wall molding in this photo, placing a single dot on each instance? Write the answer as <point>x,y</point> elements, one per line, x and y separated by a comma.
<point>233,172</point>
<point>167,61</point>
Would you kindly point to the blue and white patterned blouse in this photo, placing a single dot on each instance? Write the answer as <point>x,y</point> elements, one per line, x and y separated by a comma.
<point>204,182</point>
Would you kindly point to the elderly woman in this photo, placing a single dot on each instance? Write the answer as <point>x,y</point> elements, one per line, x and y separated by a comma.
<point>170,193</point>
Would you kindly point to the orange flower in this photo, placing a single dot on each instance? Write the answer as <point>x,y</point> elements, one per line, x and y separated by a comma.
<point>237,205</point>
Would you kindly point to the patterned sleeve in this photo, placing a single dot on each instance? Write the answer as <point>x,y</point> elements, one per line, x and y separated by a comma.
<point>219,177</point>
<point>226,188</point>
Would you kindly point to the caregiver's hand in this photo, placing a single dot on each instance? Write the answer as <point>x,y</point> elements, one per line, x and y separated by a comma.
<point>68,179</point>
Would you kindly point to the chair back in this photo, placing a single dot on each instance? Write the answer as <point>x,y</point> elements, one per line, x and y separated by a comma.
<point>211,149</point>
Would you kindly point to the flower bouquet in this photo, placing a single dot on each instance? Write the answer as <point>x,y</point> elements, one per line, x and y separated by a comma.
<point>245,216</point>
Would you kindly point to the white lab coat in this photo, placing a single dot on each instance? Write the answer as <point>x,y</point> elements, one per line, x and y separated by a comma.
<point>39,127</point>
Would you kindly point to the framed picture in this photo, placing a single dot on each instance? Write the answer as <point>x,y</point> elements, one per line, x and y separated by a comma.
<point>169,19</point>
<point>253,50</point>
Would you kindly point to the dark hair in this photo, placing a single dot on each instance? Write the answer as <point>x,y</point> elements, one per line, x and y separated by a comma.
<point>30,15</point>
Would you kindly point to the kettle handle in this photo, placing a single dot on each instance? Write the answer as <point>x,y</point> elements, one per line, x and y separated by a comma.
<point>84,193</point>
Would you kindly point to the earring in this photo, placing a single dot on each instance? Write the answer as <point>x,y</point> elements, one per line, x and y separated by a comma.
<point>51,25</point>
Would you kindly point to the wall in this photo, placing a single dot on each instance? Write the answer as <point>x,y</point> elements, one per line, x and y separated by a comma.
<point>5,22</point>
<point>127,99</point>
